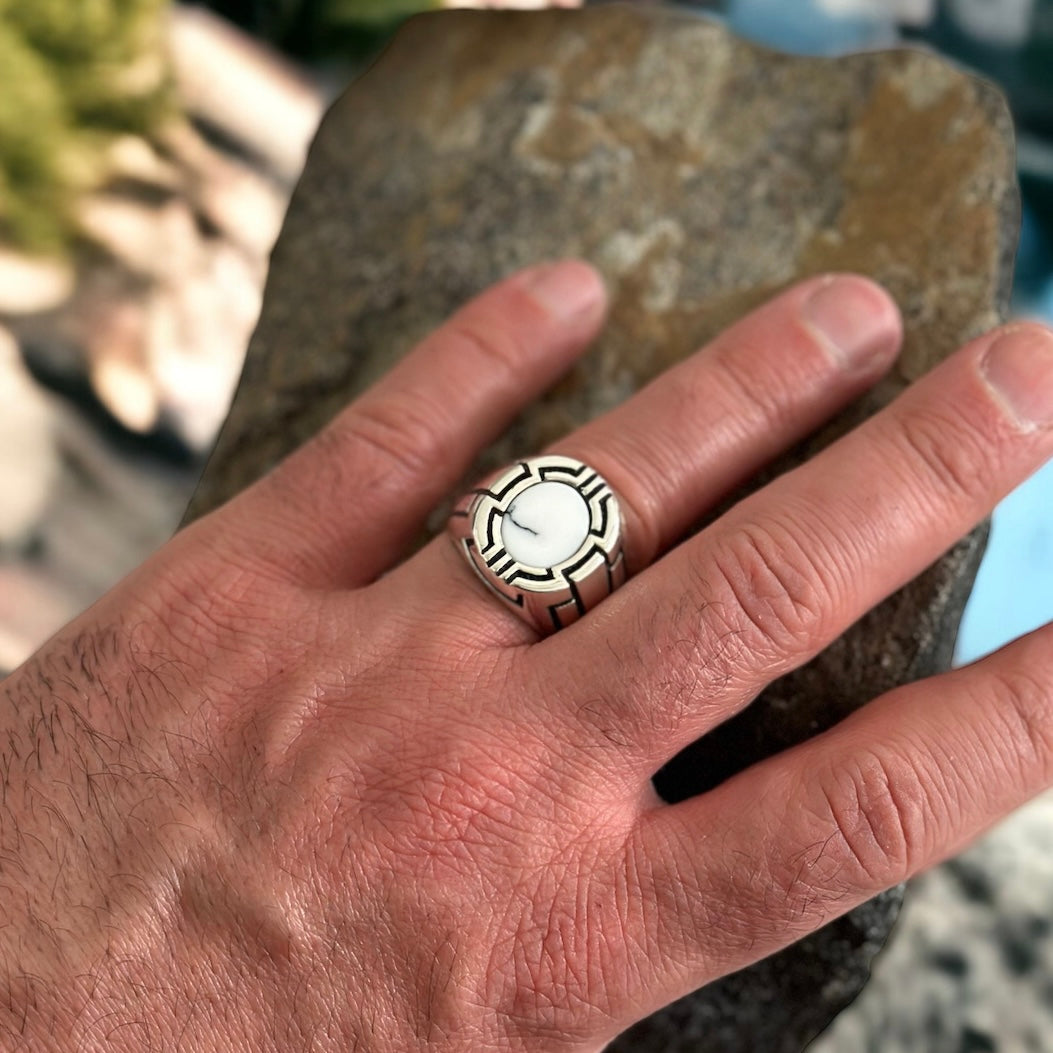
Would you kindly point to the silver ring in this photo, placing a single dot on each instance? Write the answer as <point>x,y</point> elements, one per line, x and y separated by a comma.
<point>545,535</point>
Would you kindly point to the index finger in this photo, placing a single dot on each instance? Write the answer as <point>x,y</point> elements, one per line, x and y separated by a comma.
<point>341,509</point>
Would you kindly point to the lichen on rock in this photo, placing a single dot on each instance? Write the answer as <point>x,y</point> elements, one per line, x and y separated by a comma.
<point>74,77</point>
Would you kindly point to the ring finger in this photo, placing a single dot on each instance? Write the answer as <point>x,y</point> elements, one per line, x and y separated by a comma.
<point>699,430</point>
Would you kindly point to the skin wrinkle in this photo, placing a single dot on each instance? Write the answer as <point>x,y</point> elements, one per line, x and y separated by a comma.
<point>737,904</point>
<point>403,432</point>
<point>759,406</point>
<point>777,589</point>
<point>1027,719</point>
<point>950,453</point>
<point>641,712</point>
<point>818,569</point>
<point>872,836</point>
<point>702,650</point>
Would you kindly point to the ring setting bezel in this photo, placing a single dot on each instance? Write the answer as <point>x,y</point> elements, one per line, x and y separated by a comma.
<point>548,597</point>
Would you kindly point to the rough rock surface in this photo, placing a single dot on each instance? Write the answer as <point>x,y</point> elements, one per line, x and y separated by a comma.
<point>701,175</point>
<point>970,969</point>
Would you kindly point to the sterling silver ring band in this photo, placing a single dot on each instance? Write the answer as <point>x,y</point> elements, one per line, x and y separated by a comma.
<point>545,535</point>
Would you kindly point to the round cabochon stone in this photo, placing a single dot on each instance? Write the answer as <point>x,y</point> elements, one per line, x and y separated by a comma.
<point>545,525</point>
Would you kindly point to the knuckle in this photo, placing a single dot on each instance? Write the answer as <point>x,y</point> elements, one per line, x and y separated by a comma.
<point>402,434</point>
<point>874,809</point>
<point>948,453</point>
<point>752,390</point>
<point>779,596</point>
<point>1024,706</point>
<point>493,346</point>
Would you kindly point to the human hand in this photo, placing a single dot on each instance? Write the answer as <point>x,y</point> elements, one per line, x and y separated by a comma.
<point>285,789</point>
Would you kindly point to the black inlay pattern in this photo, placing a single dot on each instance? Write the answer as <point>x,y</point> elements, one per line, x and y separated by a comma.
<point>560,594</point>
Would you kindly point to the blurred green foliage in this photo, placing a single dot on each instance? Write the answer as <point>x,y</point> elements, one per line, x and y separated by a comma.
<point>74,75</point>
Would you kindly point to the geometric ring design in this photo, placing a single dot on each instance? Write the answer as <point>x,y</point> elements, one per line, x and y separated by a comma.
<point>545,535</point>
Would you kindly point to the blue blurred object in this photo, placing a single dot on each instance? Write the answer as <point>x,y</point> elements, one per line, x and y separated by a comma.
<point>808,27</point>
<point>1034,261</point>
<point>1014,589</point>
<point>1044,306</point>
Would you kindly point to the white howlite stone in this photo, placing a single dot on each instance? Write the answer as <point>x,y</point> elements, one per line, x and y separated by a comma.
<point>545,525</point>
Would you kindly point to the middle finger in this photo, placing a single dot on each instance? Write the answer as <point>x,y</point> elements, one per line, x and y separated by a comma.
<point>779,576</point>
<point>699,430</point>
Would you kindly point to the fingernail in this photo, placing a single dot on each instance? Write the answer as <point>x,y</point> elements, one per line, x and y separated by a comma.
<point>567,289</point>
<point>1019,367</point>
<point>855,319</point>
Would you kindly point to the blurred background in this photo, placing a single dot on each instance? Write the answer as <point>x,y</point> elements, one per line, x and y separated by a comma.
<point>147,153</point>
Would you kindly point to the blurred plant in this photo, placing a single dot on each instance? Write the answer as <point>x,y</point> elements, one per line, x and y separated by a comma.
<point>321,28</point>
<point>74,75</point>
